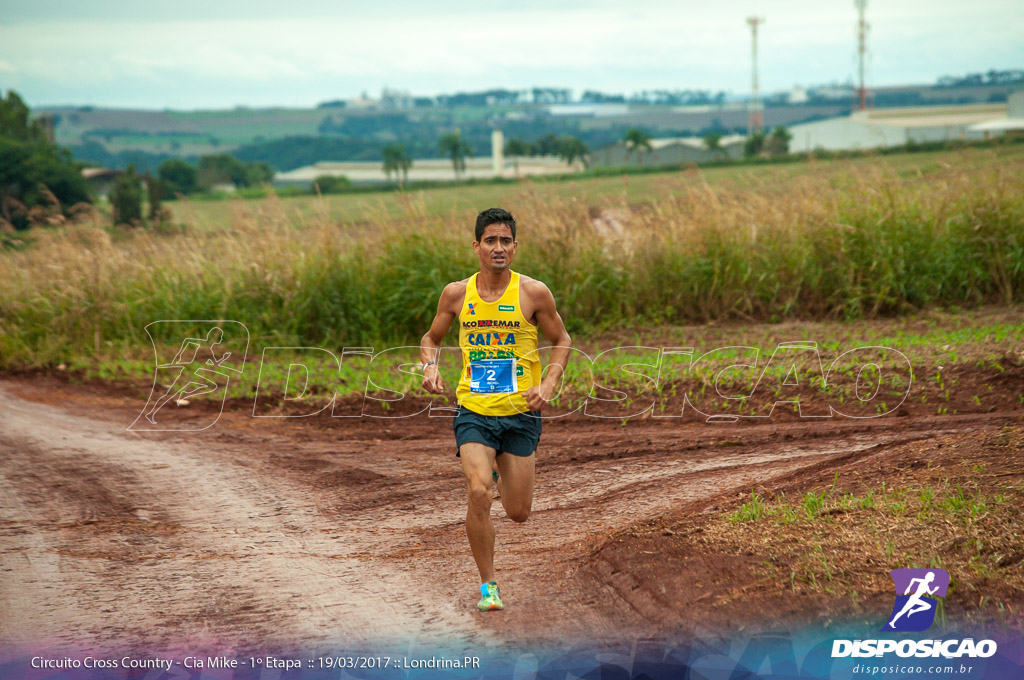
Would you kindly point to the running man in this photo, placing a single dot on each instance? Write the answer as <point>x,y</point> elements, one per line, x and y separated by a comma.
<point>500,391</point>
<point>916,604</point>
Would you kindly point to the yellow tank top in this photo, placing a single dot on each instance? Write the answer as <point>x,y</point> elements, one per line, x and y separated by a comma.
<point>494,337</point>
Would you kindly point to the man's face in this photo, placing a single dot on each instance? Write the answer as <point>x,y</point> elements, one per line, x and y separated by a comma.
<point>496,247</point>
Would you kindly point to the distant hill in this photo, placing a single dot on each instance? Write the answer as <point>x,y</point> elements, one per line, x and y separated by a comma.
<point>289,138</point>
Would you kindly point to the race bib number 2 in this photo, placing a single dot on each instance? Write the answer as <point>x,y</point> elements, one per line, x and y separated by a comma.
<point>493,376</point>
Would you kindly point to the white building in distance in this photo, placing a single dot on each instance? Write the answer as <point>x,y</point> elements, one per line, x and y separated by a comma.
<point>894,127</point>
<point>1012,124</point>
<point>427,170</point>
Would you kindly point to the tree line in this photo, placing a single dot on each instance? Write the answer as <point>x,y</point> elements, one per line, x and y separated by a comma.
<point>396,162</point>
<point>210,172</point>
<point>175,177</point>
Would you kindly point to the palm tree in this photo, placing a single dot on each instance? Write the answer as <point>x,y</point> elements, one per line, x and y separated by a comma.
<point>397,161</point>
<point>713,141</point>
<point>637,139</point>
<point>777,143</point>
<point>515,148</point>
<point>547,145</point>
<point>456,148</point>
<point>754,144</point>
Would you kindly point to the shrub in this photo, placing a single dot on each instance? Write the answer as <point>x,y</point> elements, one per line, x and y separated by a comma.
<point>178,176</point>
<point>331,184</point>
<point>126,198</point>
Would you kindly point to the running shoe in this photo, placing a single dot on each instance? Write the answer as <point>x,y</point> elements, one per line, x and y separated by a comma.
<point>494,476</point>
<point>491,599</point>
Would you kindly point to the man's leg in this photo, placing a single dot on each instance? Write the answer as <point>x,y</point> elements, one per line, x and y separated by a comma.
<point>517,475</point>
<point>477,460</point>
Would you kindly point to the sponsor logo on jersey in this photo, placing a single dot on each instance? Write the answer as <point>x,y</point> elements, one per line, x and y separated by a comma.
<point>493,338</point>
<point>485,323</point>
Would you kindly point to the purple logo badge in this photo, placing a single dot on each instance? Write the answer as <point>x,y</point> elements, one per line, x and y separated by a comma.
<point>915,605</point>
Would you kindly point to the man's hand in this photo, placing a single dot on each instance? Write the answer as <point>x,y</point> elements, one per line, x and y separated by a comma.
<point>432,380</point>
<point>538,397</point>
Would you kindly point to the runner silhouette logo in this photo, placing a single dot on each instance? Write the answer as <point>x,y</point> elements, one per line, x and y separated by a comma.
<point>194,360</point>
<point>915,605</point>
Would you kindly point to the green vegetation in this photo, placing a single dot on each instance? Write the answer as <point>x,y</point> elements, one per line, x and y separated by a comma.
<point>848,241</point>
<point>775,145</point>
<point>178,176</point>
<point>456,148</point>
<point>636,139</point>
<point>126,198</point>
<point>665,385</point>
<point>39,182</point>
<point>722,168</point>
<point>947,503</point>
<point>751,511</point>
<point>516,148</point>
<point>571,148</point>
<point>397,161</point>
<point>223,168</point>
<point>754,144</point>
<point>713,142</point>
<point>331,184</point>
<point>566,147</point>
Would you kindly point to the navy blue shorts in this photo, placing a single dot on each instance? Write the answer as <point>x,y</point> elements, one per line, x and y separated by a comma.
<point>516,434</point>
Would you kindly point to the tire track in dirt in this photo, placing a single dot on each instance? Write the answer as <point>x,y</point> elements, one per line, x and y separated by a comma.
<point>582,503</point>
<point>203,551</point>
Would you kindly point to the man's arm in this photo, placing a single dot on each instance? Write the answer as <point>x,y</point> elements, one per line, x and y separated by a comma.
<point>430,346</point>
<point>550,323</point>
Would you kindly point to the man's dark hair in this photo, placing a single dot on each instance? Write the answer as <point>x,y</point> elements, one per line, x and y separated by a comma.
<point>494,216</point>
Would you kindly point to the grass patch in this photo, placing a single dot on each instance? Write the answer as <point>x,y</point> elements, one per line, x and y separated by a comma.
<point>943,502</point>
<point>893,527</point>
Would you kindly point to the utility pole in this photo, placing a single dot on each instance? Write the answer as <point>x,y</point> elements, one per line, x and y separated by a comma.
<point>862,48</point>
<point>755,119</point>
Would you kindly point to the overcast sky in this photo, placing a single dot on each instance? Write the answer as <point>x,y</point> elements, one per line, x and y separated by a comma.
<point>223,53</point>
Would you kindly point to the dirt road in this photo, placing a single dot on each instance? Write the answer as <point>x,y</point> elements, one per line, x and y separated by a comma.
<point>265,534</point>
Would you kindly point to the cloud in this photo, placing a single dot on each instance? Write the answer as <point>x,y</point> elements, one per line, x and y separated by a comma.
<point>332,50</point>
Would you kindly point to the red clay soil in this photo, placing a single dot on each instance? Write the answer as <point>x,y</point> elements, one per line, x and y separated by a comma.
<point>262,534</point>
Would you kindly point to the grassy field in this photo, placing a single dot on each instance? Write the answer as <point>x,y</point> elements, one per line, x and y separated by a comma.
<point>463,202</point>
<point>851,239</point>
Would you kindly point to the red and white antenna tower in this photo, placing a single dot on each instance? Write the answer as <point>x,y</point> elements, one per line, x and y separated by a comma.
<point>862,49</point>
<point>755,118</point>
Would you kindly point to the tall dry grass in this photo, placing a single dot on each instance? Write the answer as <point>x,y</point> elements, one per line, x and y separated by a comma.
<point>858,244</point>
